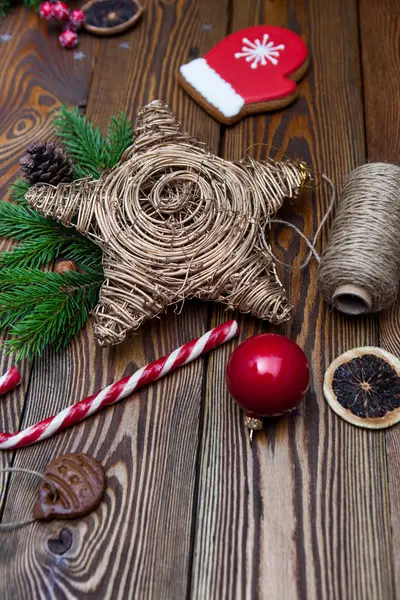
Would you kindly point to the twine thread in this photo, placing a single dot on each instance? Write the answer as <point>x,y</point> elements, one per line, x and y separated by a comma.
<point>311,244</point>
<point>30,472</point>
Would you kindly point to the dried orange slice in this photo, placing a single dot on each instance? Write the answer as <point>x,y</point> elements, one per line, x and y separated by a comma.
<point>363,387</point>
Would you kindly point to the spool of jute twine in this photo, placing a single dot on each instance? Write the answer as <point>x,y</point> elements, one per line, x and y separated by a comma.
<point>360,267</point>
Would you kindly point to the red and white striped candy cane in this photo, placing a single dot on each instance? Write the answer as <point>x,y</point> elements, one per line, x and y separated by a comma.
<point>116,391</point>
<point>9,380</point>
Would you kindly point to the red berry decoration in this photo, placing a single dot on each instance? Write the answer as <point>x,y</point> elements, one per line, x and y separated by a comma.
<point>60,11</point>
<point>46,11</point>
<point>77,18</point>
<point>68,39</point>
<point>268,376</point>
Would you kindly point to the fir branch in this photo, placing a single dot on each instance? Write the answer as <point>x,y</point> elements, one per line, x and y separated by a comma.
<point>44,240</point>
<point>32,4</point>
<point>52,323</point>
<point>119,138</point>
<point>37,329</point>
<point>22,222</point>
<point>83,251</point>
<point>18,189</point>
<point>48,281</point>
<point>5,6</point>
<point>33,253</point>
<point>11,318</point>
<point>49,311</point>
<point>41,308</point>
<point>83,142</point>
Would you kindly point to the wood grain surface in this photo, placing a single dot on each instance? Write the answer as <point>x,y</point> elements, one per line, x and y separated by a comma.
<point>380,31</point>
<point>149,446</point>
<point>191,510</point>
<point>290,517</point>
<point>35,76</point>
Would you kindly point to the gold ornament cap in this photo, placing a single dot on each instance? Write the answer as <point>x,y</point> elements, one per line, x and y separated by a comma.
<point>253,423</point>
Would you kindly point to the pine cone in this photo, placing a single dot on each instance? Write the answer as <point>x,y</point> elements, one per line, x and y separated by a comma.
<point>45,163</point>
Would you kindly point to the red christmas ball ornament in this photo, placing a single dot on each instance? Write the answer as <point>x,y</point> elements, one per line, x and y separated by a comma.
<point>68,39</point>
<point>267,375</point>
<point>46,11</point>
<point>60,11</point>
<point>77,18</point>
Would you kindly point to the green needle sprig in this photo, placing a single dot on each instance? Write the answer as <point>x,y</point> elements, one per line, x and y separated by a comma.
<point>39,307</point>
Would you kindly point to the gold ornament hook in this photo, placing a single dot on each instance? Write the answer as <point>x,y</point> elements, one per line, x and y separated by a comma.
<point>253,424</point>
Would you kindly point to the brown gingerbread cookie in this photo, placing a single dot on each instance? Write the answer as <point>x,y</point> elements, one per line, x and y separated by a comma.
<point>253,70</point>
<point>74,486</point>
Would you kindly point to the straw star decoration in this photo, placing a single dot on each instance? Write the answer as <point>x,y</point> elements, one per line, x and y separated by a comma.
<point>176,222</point>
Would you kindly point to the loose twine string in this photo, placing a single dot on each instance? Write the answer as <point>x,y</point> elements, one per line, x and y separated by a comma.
<point>310,244</point>
<point>30,472</point>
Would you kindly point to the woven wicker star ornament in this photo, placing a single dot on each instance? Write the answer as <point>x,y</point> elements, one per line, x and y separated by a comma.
<point>176,222</point>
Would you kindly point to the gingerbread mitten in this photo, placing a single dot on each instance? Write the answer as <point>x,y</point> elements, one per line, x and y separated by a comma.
<point>253,70</point>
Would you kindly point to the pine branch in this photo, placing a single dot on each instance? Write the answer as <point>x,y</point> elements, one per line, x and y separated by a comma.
<point>5,6</point>
<point>49,311</point>
<point>37,329</point>
<point>22,222</point>
<point>119,138</point>
<point>34,252</point>
<point>18,190</point>
<point>83,142</point>
<point>44,240</point>
<point>48,281</point>
<point>83,252</point>
<point>52,323</point>
<point>41,308</point>
<point>32,4</point>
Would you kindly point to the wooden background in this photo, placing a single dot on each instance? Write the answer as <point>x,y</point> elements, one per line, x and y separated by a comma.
<point>191,511</point>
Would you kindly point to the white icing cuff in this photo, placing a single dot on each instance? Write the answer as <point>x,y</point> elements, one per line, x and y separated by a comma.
<point>212,87</point>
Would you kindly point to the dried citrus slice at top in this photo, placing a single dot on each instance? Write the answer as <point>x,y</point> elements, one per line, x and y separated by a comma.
<point>363,387</point>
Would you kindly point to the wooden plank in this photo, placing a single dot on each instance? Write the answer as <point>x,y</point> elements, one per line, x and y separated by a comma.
<point>36,75</point>
<point>379,29</point>
<point>138,544</point>
<point>304,513</point>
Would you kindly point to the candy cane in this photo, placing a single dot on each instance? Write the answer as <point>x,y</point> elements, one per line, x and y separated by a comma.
<point>9,380</point>
<point>116,391</point>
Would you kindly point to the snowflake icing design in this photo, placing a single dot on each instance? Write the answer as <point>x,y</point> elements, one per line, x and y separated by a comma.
<point>260,52</point>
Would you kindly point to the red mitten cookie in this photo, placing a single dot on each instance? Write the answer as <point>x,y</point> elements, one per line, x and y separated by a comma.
<point>253,70</point>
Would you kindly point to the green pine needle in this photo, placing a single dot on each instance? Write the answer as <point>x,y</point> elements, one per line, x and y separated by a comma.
<point>91,152</point>
<point>32,4</point>
<point>45,308</point>
<point>47,281</point>
<point>119,138</point>
<point>44,240</point>
<point>83,252</point>
<point>39,307</point>
<point>4,7</point>
<point>33,253</point>
<point>22,222</point>
<point>82,140</point>
<point>18,190</point>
